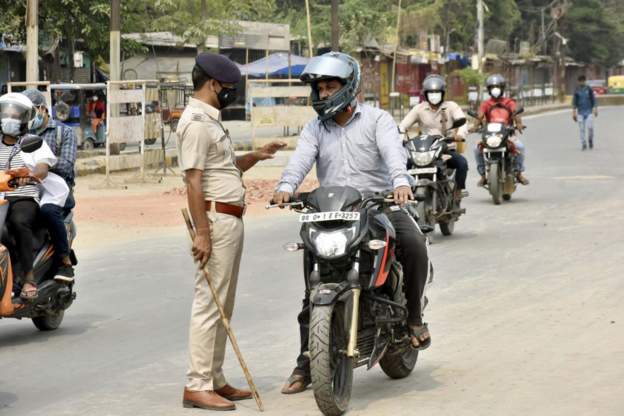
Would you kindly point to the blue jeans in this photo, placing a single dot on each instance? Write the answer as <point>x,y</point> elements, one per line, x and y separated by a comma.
<point>519,159</point>
<point>54,217</point>
<point>586,122</point>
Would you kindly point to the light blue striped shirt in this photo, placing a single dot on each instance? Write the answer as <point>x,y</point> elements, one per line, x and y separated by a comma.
<point>366,153</point>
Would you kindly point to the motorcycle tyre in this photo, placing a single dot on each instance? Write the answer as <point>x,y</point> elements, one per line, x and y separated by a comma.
<point>507,197</point>
<point>49,322</point>
<point>494,184</point>
<point>330,402</point>
<point>399,363</point>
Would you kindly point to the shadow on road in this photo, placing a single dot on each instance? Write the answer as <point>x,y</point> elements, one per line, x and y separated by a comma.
<point>26,333</point>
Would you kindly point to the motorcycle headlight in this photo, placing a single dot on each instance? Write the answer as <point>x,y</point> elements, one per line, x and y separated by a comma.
<point>332,243</point>
<point>423,158</point>
<point>494,140</point>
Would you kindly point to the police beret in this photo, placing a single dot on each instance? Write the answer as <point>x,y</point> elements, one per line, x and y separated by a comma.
<point>219,67</point>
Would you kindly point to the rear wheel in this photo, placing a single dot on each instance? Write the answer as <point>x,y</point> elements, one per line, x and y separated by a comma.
<point>330,368</point>
<point>494,184</point>
<point>49,322</point>
<point>88,144</point>
<point>447,228</point>
<point>399,363</point>
<point>507,197</point>
<point>150,141</point>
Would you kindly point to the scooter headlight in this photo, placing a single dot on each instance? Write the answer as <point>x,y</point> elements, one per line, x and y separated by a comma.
<point>332,243</point>
<point>423,158</point>
<point>494,140</point>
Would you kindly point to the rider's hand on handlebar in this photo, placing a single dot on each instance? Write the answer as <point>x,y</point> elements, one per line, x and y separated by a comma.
<point>402,194</point>
<point>280,198</point>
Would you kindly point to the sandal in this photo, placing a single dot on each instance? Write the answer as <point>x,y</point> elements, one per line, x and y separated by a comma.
<point>417,333</point>
<point>29,294</point>
<point>296,383</point>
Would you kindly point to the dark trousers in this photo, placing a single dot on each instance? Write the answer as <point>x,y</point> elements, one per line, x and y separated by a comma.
<point>20,221</point>
<point>413,256</point>
<point>54,219</point>
<point>460,164</point>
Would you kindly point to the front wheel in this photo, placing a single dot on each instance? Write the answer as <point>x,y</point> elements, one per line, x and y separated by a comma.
<point>331,370</point>
<point>49,322</point>
<point>494,184</point>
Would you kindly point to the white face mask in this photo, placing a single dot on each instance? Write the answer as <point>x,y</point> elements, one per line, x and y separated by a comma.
<point>11,127</point>
<point>496,92</point>
<point>434,98</point>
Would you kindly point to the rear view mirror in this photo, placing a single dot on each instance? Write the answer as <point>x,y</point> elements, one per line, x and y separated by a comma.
<point>30,143</point>
<point>519,111</point>
<point>458,123</point>
<point>473,113</point>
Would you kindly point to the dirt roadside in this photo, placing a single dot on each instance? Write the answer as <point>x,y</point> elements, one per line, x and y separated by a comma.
<point>131,209</point>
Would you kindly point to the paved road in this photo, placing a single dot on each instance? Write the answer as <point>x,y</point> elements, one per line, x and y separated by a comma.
<point>527,309</point>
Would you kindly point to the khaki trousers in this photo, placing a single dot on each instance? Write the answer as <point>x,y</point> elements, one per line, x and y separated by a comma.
<point>207,336</point>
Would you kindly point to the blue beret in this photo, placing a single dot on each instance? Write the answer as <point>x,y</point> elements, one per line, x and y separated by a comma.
<point>219,67</point>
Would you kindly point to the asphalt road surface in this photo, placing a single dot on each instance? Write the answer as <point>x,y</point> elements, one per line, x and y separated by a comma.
<point>527,311</point>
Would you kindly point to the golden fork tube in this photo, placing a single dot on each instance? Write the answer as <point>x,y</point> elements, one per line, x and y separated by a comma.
<point>354,324</point>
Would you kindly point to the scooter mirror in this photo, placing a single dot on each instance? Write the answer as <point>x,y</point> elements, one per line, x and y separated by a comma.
<point>30,143</point>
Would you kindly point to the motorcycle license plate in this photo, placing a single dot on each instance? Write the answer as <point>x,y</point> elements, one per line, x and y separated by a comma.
<point>330,216</point>
<point>421,171</point>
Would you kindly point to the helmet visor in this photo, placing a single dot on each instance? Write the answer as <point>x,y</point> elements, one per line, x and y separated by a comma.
<point>15,111</point>
<point>326,67</point>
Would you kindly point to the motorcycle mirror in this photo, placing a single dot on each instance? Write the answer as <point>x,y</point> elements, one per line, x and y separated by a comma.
<point>458,123</point>
<point>473,114</point>
<point>519,111</point>
<point>30,142</point>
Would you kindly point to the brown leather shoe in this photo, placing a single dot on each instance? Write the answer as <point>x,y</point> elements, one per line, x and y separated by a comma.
<point>233,394</point>
<point>207,399</point>
<point>520,177</point>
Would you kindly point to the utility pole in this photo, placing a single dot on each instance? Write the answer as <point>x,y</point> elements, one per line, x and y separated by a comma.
<point>544,43</point>
<point>396,47</point>
<point>307,4</point>
<point>32,41</point>
<point>480,35</point>
<point>335,29</point>
<point>115,41</point>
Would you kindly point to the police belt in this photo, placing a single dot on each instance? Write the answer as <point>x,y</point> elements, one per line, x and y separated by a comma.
<point>228,209</point>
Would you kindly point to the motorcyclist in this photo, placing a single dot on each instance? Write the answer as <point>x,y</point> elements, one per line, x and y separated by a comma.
<point>16,115</point>
<point>500,109</point>
<point>436,116</point>
<point>54,204</point>
<point>357,145</point>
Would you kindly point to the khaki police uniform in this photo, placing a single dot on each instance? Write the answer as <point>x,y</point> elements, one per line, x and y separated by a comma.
<point>437,121</point>
<point>204,144</point>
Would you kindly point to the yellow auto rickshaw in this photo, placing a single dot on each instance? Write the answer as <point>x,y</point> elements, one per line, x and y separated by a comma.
<point>616,84</point>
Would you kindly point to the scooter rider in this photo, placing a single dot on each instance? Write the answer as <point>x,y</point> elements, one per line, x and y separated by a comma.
<point>436,116</point>
<point>62,140</point>
<point>16,114</point>
<point>357,145</point>
<point>500,109</point>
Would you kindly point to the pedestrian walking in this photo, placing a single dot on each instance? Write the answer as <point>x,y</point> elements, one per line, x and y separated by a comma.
<point>584,111</point>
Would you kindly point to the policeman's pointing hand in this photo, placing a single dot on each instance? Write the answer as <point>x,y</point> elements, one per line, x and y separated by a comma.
<point>268,150</point>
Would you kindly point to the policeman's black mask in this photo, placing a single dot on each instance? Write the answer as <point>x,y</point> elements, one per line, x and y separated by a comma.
<point>226,96</point>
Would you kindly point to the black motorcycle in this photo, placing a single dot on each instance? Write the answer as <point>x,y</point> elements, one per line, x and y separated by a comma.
<point>48,309</point>
<point>499,155</point>
<point>358,307</point>
<point>435,182</point>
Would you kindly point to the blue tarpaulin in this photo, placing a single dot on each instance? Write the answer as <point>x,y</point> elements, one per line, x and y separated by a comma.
<point>275,64</point>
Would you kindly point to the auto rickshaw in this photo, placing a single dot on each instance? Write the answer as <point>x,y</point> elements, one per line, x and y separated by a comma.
<point>72,104</point>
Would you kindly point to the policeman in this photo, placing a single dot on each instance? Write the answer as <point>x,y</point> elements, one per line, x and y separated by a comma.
<point>216,199</point>
<point>436,116</point>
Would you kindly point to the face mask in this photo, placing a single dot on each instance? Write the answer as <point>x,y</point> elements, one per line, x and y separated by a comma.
<point>95,99</point>
<point>37,122</point>
<point>226,96</point>
<point>11,127</point>
<point>434,98</point>
<point>496,92</point>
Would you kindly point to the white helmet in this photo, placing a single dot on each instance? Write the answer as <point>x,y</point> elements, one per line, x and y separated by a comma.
<point>16,114</point>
